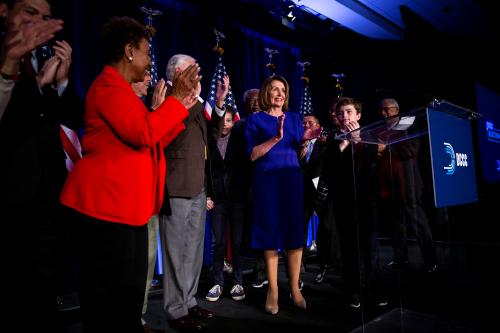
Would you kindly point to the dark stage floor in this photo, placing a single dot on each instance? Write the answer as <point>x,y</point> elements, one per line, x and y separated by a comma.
<point>444,301</point>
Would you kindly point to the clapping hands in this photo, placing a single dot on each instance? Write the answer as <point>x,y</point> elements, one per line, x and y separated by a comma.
<point>56,69</point>
<point>21,39</point>
<point>186,85</point>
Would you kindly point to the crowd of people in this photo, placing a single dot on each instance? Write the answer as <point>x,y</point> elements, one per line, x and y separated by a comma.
<point>153,163</point>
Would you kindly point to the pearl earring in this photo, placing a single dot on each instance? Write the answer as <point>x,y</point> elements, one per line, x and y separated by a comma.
<point>130,59</point>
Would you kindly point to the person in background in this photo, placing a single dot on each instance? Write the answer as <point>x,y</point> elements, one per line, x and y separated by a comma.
<point>401,189</point>
<point>229,189</point>
<point>251,101</point>
<point>274,138</point>
<point>33,104</point>
<point>349,171</point>
<point>310,159</point>
<point>118,184</point>
<point>19,39</point>
<point>141,89</point>
<point>329,253</point>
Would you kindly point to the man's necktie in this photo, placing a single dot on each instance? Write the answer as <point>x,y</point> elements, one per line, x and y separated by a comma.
<point>310,147</point>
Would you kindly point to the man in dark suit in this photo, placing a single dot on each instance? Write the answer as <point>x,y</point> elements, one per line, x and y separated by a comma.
<point>32,174</point>
<point>311,161</point>
<point>311,154</point>
<point>183,230</point>
<point>401,190</point>
<point>327,239</point>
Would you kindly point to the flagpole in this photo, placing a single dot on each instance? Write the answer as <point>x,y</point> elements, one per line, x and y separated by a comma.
<point>220,72</point>
<point>150,14</point>
<point>270,65</point>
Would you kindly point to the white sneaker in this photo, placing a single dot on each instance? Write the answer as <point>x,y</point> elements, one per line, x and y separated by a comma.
<point>214,293</point>
<point>237,292</point>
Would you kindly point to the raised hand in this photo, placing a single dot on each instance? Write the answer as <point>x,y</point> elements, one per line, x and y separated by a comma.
<point>186,85</point>
<point>62,51</point>
<point>353,127</point>
<point>210,203</point>
<point>159,94</point>
<point>281,121</point>
<point>222,91</point>
<point>312,133</point>
<point>48,72</point>
<point>23,38</point>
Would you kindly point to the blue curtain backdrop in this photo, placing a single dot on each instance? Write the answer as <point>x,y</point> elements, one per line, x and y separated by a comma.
<point>183,28</point>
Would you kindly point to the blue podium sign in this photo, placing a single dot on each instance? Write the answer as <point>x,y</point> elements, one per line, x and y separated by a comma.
<point>452,157</point>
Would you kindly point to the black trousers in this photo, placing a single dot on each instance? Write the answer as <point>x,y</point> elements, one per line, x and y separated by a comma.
<point>404,213</point>
<point>33,247</point>
<point>328,242</point>
<point>112,268</point>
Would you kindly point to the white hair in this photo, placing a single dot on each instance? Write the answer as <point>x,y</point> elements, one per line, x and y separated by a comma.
<point>390,101</point>
<point>176,61</point>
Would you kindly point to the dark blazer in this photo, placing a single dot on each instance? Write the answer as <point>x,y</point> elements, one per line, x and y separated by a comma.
<point>229,178</point>
<point>350,176</point>
<point>186,155</point>
<point>312,169</point>
<point>400,167</point>
<point>33,160</point>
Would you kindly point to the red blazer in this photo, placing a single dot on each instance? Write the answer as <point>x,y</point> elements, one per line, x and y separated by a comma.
<point>121,175</point>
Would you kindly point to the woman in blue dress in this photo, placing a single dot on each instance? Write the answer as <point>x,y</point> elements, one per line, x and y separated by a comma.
<point>278,219</point>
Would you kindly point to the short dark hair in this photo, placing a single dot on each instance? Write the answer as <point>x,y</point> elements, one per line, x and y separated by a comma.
<point>349,101</point>
<point>264,101</point>
<point>316,119</point>
<point>11,3</point>
<point>118,32</point>
<point>229,110</point>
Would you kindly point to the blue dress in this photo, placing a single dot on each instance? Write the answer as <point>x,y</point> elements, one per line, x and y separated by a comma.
<point>277,191</point>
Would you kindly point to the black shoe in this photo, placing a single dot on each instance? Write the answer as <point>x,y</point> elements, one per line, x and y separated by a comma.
<point>200,313</point>
<point>321,275</point>
<point>396,264</point>
<point>185,324</point>
<point>355,302</point>
<point>431,268</point>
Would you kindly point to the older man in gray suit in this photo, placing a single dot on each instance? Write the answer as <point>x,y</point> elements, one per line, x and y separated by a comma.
<point>183,230</point>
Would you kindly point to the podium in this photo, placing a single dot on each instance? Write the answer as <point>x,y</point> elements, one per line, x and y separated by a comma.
<point>448,129</point>
<point>437,136</point>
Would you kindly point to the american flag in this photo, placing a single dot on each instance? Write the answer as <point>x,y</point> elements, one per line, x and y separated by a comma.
<point>220,71</point>
<point>305,103</point>
<point>154,66</point>
<point>150,14</point>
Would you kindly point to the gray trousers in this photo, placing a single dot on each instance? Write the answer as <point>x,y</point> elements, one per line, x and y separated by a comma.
<point>153,227</point>
<point>182,236</point>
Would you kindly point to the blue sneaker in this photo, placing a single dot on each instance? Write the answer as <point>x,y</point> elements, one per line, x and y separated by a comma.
<point>214,293</point>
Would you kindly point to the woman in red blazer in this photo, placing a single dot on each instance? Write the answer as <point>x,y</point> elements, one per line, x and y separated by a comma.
<point>118,184</point>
